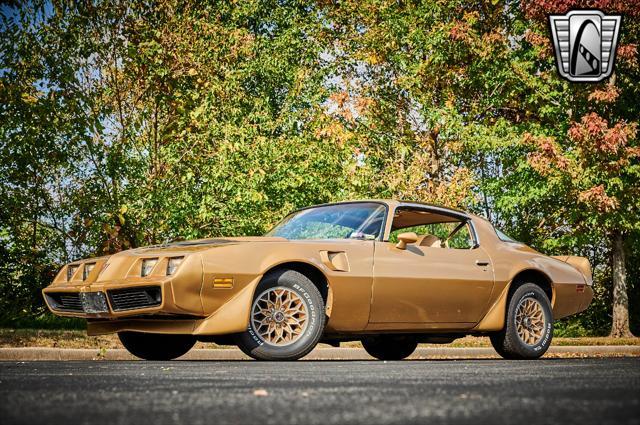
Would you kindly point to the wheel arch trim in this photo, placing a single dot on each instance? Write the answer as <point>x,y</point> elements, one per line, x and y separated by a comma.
<point>233,316</point>
<point>495,318</point>
<point>314,274</point>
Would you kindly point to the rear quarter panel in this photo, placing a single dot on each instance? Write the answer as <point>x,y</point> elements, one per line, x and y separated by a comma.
<point>511,259</point>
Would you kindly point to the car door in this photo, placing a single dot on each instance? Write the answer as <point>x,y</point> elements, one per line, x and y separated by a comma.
<point>429,285</point>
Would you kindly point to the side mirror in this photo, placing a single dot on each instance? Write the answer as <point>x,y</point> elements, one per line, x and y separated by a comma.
<point>406,238</point>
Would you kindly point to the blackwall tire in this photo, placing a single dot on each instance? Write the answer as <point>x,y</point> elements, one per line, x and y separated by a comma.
<point>528,327</point>
<point>287,318</point>
<point>150,346</point>
<point>389,347</point>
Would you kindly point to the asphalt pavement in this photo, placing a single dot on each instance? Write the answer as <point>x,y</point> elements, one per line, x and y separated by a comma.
<point>563,391</point>
<point>320,353</point>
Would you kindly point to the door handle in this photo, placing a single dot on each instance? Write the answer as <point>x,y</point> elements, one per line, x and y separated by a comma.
<point>482,263</point>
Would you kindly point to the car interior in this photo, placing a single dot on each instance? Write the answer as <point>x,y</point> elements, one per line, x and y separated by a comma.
<point>434,229</point>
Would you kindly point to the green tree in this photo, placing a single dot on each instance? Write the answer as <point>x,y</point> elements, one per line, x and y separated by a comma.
<point>128,124</point>
<point>590,158</point>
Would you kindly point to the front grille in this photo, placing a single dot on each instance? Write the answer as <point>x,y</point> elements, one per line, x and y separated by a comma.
<point>135,298</point>
<point>65,301</point>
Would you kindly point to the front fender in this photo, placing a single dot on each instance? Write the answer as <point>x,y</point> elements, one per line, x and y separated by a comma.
<point>231,317</point>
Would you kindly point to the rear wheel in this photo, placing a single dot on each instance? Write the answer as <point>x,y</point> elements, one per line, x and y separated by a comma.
<point>150,346</point>
<point>384,347</point>
<point>528,329</point>
<point>287,318</point>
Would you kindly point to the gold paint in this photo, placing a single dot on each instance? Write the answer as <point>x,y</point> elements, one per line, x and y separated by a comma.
<point>372,285</point>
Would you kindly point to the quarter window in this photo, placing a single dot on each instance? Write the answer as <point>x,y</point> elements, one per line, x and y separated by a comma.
<point>504,237</point>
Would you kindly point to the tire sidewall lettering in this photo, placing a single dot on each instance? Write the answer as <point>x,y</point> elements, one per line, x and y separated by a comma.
<point>309,303</point>
<point>309,299</point>
<point>545,340</point>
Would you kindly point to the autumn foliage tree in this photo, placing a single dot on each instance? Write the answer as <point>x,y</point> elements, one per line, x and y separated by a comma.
<point>596,173</point>
<point>591,163</point>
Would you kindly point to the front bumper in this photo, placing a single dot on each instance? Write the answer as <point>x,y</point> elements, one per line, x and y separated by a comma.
<point>112,301</point>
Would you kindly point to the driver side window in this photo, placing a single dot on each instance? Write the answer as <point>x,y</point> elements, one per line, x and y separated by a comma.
<point>433,229</point>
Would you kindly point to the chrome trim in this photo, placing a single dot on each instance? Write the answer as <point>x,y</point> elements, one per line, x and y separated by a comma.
<point>476,238</point>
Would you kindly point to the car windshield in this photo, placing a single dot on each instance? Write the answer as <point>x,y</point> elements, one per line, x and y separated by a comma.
<point>362,220</point>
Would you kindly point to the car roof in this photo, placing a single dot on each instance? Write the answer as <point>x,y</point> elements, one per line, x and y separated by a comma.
<point>393,203</point>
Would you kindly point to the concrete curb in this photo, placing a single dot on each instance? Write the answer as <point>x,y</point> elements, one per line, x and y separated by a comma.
<point>42,354</point>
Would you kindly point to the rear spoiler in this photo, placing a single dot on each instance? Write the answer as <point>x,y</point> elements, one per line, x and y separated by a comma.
<point>580,263</point>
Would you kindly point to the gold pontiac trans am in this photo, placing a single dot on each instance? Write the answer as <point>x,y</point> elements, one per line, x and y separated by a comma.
<point>390,274</point>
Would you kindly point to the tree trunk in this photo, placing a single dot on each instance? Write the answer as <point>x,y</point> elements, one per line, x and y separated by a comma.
<point>620,325</point>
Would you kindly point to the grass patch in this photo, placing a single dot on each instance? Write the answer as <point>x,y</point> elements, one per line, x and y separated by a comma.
<point>44,321</point>
<point>55,339</point>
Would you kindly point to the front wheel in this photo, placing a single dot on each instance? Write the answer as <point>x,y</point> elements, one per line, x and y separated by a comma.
<point>384,347</point>
<point>287,318</point>
<point>150,346</point>
<point>528,329</point>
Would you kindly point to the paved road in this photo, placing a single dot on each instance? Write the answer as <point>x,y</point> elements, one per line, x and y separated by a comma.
<point>584,391</point>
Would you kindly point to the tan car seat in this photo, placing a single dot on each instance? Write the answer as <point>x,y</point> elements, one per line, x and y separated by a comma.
<point>430,241</point>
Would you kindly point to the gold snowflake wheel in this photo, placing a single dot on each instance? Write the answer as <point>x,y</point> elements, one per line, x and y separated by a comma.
<point>279,316</point>
<point>530,321</point>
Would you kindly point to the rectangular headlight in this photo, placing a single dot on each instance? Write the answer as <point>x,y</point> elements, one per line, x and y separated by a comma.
<point>71,270</point>
<point>147,266</point>
<point>173,264</point>
<point>87,269</point>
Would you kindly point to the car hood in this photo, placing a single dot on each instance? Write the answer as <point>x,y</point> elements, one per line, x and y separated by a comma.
<point>202,244</point>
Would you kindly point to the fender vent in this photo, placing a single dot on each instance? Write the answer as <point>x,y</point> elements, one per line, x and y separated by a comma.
<point>135,298</point>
